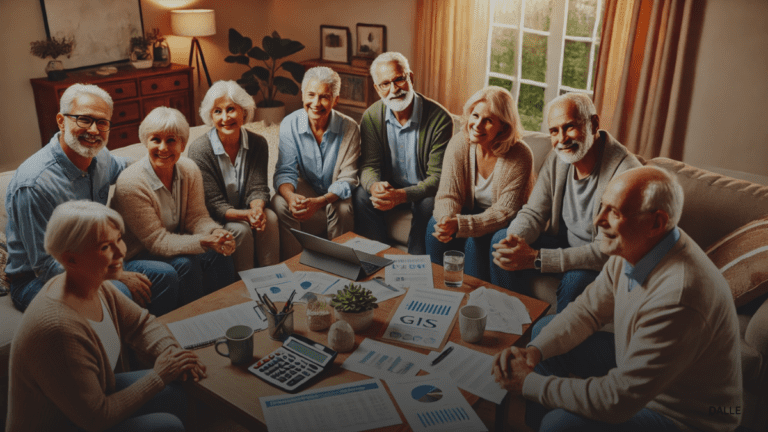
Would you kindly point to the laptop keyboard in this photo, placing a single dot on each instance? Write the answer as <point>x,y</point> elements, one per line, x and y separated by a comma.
<point>369,268</point>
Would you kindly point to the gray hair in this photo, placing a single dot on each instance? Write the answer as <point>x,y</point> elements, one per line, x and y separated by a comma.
<point>233,91</point>
<point>665,194</point>
<point>387,57</point>
<point>585,109</point>
<point>76,90</point>
<point>323,75</point>
<point>75,224</point>
<point>501,104</point>
<point>164,119</point>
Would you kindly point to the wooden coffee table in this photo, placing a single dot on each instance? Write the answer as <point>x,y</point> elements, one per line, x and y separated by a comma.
<point>235,392</point>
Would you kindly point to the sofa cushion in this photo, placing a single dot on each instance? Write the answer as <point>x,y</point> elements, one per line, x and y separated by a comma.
<point>741,257</point>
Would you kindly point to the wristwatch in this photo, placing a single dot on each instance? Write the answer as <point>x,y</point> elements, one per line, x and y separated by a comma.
<point>537,261</point>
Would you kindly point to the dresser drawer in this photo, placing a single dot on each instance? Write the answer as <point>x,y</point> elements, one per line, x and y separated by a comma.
<point>162,84</point>
<point>179,101</point>
<point>121,89</point>
<point>123,136</point>
<point>125,112</point>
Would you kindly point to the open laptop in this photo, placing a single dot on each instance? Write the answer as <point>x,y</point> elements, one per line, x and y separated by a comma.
<point>336,258</point>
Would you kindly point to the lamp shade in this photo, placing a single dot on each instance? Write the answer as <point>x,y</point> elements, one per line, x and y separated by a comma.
<point>193,22</point>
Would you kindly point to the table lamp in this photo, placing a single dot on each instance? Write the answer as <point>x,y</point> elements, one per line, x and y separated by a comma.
<point>195,22</point>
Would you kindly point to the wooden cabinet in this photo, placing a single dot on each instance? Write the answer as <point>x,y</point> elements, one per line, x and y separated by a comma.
<point>357,91</point>
<point>135,92</point>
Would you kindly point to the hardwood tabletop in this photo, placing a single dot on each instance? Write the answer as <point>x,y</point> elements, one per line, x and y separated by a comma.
<point>235,391</point>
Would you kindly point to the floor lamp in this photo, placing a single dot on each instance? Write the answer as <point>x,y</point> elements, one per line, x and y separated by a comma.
<point>194,23</point>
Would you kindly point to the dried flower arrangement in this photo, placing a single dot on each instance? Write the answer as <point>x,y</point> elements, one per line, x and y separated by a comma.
<point>52,47</point>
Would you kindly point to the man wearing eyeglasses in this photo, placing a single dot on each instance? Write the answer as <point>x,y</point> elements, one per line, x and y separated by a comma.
<point>403,138</point>
<point>74,165</point>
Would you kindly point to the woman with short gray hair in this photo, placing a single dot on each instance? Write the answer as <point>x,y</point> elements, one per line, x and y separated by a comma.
<point>233,162</point>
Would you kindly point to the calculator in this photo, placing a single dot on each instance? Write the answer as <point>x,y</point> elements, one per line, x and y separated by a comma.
<point>294,364</point>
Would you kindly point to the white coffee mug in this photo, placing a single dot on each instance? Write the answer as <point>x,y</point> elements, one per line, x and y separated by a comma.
<point>472,321</point>
<point>239,341</point>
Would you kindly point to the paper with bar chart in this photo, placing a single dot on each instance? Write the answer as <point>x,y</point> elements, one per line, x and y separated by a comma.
<point>385,361</point>
<point>434,403</point>
<point>424,317</point>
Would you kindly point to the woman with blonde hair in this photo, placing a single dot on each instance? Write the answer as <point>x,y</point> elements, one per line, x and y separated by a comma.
<point>487,177</point>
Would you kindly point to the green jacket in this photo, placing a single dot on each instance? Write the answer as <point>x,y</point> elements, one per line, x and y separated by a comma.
<point>435,130</point>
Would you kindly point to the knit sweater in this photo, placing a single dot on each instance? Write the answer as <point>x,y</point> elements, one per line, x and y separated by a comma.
<point>545,207</point>
<point>676,338</point>
<point>137,203</point>
<point>513,179</point>
<point>254,182</point>
<point>60,372</point>
<point>435,130</point>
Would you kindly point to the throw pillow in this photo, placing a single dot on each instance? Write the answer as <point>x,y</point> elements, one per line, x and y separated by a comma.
<point>5,286</point>
<point>742,257</point>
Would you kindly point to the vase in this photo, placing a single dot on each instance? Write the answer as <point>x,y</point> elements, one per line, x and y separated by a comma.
<point>359,321</point>
<point>318,320</point>
<point>270,115</point>
<point>161,54</point>
<point>141,58</point>
<point>55,70</point>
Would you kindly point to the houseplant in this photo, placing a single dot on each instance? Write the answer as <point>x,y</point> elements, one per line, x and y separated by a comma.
<point>53,47</point>
<point>264,80</point>
<point>141,51</point>
<point>355,304</point>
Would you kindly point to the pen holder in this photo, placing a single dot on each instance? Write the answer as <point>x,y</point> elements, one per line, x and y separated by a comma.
<point>280,325</point>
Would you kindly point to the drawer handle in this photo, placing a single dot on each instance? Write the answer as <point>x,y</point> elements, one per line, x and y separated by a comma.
<point>121,114</point>
<point>177,83</point>
<point>154,86</point>
<point>124,135</point>
<point>119,90</point>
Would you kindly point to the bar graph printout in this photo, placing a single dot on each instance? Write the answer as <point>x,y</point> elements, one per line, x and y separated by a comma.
<point>385,361</point>
<point>434,403</point>
<point>424,317</point>
<point>356,406</point>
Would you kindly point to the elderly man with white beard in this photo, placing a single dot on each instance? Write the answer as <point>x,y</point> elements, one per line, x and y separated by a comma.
<point>553,232</point>
<point>74,165</point>
<point>403,138</point>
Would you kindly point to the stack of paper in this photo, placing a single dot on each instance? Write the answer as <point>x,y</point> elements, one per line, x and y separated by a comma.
<point>506,313</point>
<point>409,271</point>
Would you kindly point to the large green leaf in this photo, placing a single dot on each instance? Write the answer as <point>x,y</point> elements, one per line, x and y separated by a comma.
<point>286,85</point>
<point>237,59</point>
<point>296,70</point>
<point>258,54</point>
<point>238,44</point>
<point>260,72</point>
<point>249,84</point>
<point>278,48</point>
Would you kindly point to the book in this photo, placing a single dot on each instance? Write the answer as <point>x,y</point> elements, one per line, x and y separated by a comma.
<point>204,329</point>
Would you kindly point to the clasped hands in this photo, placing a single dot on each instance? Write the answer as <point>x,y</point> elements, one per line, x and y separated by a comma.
<point>176,363</point>
<point>303,208</point>
<point>512,365</point>
<point>385,197</point>
<point>446,228</point>
<point>513,253</point>
<point>220,240</point>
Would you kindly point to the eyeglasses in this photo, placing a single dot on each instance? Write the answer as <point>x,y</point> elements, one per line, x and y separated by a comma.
<point>399,82</point>
<point>85,122</point>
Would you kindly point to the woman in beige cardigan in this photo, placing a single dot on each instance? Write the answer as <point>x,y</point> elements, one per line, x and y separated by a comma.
<point>487,177</point>
<point>67,368</point>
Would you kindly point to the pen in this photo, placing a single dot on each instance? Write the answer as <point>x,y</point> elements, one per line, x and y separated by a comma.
<point>287,305</point>
<point>442,355</point>
<point>385,285</point>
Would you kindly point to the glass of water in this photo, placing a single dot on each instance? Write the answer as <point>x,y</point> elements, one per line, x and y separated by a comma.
<point>453,268</point>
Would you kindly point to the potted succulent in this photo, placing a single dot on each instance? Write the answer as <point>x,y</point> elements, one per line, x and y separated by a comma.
<point>263,80</point>
<point>355,304</point>
<point>53,47</point>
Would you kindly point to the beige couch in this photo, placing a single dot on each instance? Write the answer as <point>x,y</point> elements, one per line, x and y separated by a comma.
<point>715,205</point>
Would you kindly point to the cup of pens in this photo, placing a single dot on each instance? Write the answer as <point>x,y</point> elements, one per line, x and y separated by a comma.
<point>279,318</point>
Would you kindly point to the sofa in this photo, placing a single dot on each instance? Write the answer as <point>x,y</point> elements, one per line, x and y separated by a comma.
<point>717,202</point>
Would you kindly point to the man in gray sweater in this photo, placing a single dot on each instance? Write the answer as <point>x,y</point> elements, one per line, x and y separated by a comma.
<point>553,232</point>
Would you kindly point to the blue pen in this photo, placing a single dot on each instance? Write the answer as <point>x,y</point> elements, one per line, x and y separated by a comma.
<point>385,285</point>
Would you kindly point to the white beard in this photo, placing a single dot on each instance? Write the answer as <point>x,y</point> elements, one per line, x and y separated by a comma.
<point>87,152</point>
<point>583,148</point>
<point>399,105</point>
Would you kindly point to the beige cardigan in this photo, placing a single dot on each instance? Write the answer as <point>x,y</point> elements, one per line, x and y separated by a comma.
<point>513,180</point>
<point>59,370</point>
<point>136,201</point>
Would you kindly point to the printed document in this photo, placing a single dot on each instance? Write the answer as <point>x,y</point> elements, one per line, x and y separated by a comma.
<point>385,361</point>
<point>356,406</point>
<point>469,369</point>
<point>204,329</point>
<point>409,271</point>
<point>317,283</point>
<point>506,313</point>
<point>276,280</point>
<point>424,317</point>
<point>381,290</point>
<point>365,245</point>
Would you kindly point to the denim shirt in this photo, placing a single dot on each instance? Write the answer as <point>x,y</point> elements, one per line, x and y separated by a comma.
<point>637,274</point>
<point>403,145</point>
<point>45,180</point>
<point>299,155</point>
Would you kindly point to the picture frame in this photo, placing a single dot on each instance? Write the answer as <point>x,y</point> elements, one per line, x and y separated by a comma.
<point>371,40</point>
<point>335,44</point>
<point>107,36</point>
<point>354,90</point>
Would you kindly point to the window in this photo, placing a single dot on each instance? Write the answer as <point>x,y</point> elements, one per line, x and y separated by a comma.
<point>539,49</point>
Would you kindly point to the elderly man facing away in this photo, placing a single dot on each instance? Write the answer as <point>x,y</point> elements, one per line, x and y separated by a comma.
<point>673,362</point>
<point>403,139</point>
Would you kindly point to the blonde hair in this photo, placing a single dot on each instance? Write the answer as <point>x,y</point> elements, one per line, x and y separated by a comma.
<point>75,224</point>
<point>164,119</point>
<point>501,104</point>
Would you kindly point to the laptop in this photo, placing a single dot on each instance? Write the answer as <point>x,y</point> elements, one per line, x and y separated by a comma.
<point>336,258</point>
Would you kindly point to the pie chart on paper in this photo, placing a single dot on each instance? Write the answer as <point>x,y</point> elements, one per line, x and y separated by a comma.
<point>427,393</point>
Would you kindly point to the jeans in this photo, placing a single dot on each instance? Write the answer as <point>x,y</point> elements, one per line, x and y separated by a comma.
<point>165,286</point>
<point>592,358</point>
<point>199,274</point>
<point>476,258</point>
<point>371,222</point>
<point>572,282</point>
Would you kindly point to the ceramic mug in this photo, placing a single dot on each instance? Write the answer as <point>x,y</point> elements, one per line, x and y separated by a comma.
<point>472,321</point>
<point>239,341</point>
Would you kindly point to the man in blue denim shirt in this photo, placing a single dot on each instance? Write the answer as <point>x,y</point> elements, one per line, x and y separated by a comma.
<point>74,165</point>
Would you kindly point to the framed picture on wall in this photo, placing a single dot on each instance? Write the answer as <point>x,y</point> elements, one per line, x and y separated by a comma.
<point>371,40</point>
<point>353,90</point>
<point>334,44</point>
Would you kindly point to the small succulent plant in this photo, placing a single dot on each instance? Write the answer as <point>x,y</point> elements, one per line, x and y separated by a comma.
<point>354,298</point>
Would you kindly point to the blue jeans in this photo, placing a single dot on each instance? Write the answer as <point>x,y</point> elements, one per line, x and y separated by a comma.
<point>572,282</point>
<point>165,286</point>
<point>199,274</point>
<point>592,358</point>
<point>371,222</point>
<point>475,249</point>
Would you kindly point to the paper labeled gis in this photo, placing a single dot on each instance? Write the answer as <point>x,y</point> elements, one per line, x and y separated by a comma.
<point>424,317</point>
